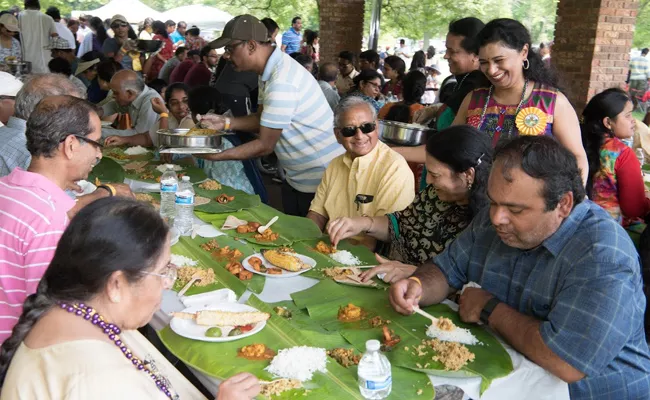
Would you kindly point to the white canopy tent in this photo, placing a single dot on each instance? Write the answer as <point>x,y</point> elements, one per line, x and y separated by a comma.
<point>205,17</point>
<point>132,10</point>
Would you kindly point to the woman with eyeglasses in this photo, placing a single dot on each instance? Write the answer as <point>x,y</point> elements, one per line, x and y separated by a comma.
<point>523,96</point>
<point>367,86</point>
<point>77,337</point>
<point>369,179</point>
<point>458,164</point>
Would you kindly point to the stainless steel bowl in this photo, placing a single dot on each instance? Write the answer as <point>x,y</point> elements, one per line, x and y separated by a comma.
<point>178,138</point>
<point>403,134</point>
<point>19,67</point>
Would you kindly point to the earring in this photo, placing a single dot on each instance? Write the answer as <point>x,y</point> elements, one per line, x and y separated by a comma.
<point>526,64</point>
<point>469,186</point>
<point>115,299</point>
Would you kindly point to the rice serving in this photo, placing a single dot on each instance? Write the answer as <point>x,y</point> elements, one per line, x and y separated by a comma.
<point>458,335</point>
<point>299,363</point>
<point>136,151</point>
<point>181,261</point>
<point>345,257</point>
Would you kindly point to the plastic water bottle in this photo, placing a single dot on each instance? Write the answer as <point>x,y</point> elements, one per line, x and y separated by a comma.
<point>375,379</point>
<point>184,207</point>
<point>168,188</point>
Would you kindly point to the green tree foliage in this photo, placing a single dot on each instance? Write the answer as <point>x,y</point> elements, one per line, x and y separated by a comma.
<point>642,32</point>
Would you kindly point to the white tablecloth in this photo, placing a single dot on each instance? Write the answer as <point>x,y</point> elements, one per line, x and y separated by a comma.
<point>528,380</point>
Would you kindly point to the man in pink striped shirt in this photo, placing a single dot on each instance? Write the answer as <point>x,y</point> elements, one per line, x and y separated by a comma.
<point>62,134</point>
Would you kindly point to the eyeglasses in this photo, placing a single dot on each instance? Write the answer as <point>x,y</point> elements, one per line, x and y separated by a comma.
<point>90,141</point>
<point>231,47</point>
<point>376,85</point>
<point>169,275</point>
<point>349,131</point>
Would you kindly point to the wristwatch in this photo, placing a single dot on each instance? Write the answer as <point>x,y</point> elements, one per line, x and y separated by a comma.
<point>487,310</point>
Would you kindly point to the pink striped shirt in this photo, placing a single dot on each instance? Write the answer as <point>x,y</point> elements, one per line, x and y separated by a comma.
<point>33,215</point>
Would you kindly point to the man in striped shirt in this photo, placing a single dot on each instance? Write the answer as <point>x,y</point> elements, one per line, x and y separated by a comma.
<point>293,117</point>
<point>292,38</point>
<point>639,75</point>
<point>62,134</point>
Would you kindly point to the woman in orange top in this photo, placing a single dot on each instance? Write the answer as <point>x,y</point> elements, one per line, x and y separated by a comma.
<point>414,86</point>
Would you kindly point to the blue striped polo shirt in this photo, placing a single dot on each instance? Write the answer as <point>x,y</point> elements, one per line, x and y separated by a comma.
<point>292,40</point>
<point>294,102</point>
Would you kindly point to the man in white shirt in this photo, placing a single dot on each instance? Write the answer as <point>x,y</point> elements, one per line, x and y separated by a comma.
<point>36,29</point>
<point>61,28</point>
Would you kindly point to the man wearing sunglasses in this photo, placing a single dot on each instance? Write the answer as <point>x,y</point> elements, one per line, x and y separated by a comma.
<point>370,179</point>
<point>293,118</point>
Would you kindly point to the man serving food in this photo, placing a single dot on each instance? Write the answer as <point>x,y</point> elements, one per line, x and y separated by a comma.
<point>560,280</point>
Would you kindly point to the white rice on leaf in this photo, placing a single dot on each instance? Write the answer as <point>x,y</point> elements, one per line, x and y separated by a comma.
<point>299,363</point>
<point>458,335</point>
<point>181,261</point>
<point>345,257</point>
<point>136,151</point>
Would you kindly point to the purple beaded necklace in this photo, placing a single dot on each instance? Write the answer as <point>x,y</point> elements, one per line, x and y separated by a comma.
<point>112,330</point>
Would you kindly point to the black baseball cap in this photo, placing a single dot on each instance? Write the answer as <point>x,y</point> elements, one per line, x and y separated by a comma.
<point>242,27</point>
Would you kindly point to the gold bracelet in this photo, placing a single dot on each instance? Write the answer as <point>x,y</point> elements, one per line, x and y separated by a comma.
<point>111,188</point>
<point>164,115</point>
<point>416,279</point>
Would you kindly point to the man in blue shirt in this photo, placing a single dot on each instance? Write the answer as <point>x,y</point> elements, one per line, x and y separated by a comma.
<point>560,279</point>
<point>292,38</point>
<point>179,34</point>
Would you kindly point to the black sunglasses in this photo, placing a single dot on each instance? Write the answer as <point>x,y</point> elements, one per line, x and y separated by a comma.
<point>349,131</point>
<point>89,141</point>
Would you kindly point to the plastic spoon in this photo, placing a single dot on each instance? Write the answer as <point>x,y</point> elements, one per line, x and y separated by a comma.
<point>189,284</point>
<point>433,319</point>
<point>261,229</point>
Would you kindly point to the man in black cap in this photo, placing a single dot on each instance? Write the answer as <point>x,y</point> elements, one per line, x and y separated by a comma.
<point>293,118</point>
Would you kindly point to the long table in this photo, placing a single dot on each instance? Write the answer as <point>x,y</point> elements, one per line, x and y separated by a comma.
<point>526,381</point>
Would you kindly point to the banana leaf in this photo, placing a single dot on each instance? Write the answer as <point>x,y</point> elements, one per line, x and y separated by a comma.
<point>108,171</point>
<point>220,361</point>
<point>194,250</point>
<point>242,200</point>
<point>324,299</point>
<point>118,154</point>
<point>290,228</point>
<point>196,174</point>
<point>223,279</point>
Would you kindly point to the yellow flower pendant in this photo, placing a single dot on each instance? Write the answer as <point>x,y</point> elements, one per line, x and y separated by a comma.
<point>531,121</point>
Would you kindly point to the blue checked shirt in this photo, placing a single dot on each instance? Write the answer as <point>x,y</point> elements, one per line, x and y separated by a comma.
<point>292,40</point>
<point>583,283</point>
<point>13,146</point>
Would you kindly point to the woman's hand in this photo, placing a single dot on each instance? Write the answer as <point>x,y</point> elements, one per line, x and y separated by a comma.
<point>394,270</point>
<point>116,141</point>
<point>343,228</point>
<point>158,106</point>
<point>212,121</point>
<point>242,386</point>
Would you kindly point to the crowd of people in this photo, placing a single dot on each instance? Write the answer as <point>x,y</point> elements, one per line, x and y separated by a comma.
<point>518,194</point>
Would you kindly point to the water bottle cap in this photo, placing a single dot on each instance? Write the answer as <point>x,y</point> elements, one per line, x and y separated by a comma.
<point>186,178</point>
<point>372,345</point>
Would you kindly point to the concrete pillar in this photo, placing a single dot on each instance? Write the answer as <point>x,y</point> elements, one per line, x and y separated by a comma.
<point>341,27</point>
<point>593,39</point>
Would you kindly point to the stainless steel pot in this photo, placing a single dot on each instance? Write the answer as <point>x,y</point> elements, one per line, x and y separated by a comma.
<point>178,138</point>
<point>403,134</point>
<point>19,68</point>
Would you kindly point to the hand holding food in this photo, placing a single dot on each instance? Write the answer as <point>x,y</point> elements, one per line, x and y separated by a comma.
<point>343,228</point>
<point>158,106</point>
<point>404,295</point>
<point>242,386</point>
<point>394,270</point>
<point>212,121</point>
<point>116,141</point>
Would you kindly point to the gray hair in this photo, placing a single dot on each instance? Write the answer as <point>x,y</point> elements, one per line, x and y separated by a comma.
<point>54,119</point>
<point>39,86</point>
<point>134,85</point>
<point>349,103</point>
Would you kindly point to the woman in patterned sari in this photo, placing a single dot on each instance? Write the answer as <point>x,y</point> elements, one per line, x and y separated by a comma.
<point>523,96</point>
<point>458,164</point>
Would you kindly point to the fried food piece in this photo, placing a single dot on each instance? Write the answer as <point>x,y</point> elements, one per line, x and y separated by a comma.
<point>255,261</point>
<point>242,229</point>
<point>284,260</point>
<point>345,357</point>
<point>445,324</point>
<point>267,236</point>
<point>378,321</point>
<point>254,225</point>
<point>245,275</point>
<point>324,248</point>
<point>211,245</point>
<point>210,184</point>
<point>256,351</point>
<point>337,273</point>
<point>149,176</point>
<point>236,253</point>
<point>234,267</point>
<point>350,313</point>
<point>390,339</point>
<point>274,271</point>
<point>224,318</point>
<point>224,199</point>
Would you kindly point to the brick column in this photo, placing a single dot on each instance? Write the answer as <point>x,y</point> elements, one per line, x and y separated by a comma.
<point>341,27</point>
<point>593,39</point>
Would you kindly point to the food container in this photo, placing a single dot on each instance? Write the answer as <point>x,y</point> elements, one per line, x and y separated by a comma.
<point>149,46</point>
<point>179,138</point>
<point>403,134</point>
<point>19,68</point>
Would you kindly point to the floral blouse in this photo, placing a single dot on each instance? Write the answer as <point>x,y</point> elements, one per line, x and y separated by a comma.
<point>13,51</point>
<point>425,228</point>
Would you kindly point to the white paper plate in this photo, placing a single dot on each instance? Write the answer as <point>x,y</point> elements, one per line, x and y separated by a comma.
<point>189,329</point>
<point>208,231</point>
<point>175,236</point>
<point>86,188</point>
<point>285,274</point>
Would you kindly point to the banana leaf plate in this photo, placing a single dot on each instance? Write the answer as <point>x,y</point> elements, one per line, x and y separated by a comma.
<point>151,174</point>
<point>242,200</point>
<point>108,171</point>
<point>118,154</point>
